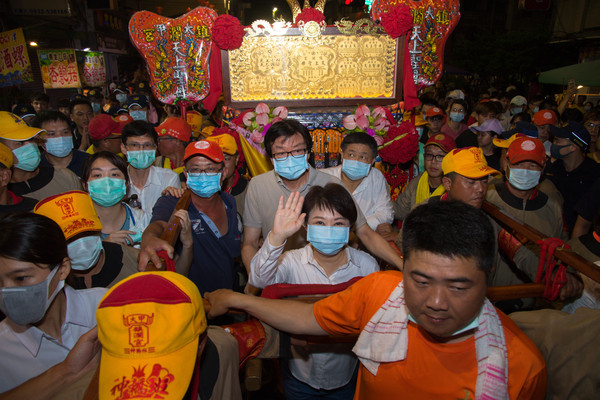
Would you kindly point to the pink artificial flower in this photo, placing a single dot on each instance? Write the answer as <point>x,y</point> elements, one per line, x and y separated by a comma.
<point>262,119</point>
<point>378,139</point>
<point>349,122</point>
<point>276,119</point>
<point>362,122</point>
<point>381,123</point>
<point>280,112</point>
<point>257,137</point>
<point>378,112</point>
<point>248,118</point>
<point>262,108</point>
<point>362,110</point>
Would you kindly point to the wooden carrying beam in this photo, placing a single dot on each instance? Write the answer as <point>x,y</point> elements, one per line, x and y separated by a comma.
<point>565,255</point>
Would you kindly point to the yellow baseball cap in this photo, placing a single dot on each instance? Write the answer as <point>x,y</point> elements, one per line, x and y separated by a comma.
<point>6,156</point>
<point>149,326</point>
<point>14,128</point>
<point>505,143</point>
<point>469,162</point>
<point>226,142</point>
<point>195,119</point>
<point>73,211</point>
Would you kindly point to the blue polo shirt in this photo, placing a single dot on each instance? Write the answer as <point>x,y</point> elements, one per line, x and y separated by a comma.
<point>214,254</point>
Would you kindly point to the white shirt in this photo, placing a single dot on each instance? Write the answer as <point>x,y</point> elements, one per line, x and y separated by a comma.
<point>325,366</point>
<point>372,196</point>
<point>30,353</point>
<point>158,179</point>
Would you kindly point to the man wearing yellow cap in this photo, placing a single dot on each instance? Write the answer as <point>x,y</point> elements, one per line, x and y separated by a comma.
<point>10,202</point>
<point>233,183</point>
<point>29,178</point>
<point>466,175</point>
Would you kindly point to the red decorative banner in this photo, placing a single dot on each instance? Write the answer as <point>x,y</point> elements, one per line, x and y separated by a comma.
<point>433,21</point>
<point>176,51</point>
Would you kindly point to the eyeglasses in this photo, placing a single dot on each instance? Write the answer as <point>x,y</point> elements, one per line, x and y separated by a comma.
<point>431,157</point>
<point>140,146</point>
<point>207,171</point>
<point>592,125</point>
<point>285,154</point>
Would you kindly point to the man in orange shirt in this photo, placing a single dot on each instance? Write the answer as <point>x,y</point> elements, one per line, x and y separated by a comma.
<point>426,333</point>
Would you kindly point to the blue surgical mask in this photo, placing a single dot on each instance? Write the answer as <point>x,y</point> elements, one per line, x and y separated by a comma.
<point>121,97</point>
<point>555,151</point>
<point>355,170</point>
<point>85,252</point>
<point>471,325</point>
<point>536,109</point>
<point>29,157</point>
<point>204,185</point>
<point>291,167</point>
<point>587,108</point>
<point>141,159</point>
<point>457,116</point>
<point>138,115</point>
<point>524,179</point>
<point>515,110</point>
<point>328,240</point>
<point>59,146</point>
<point>96,107</point>
<point>107,191</point>
<point>26,305</point>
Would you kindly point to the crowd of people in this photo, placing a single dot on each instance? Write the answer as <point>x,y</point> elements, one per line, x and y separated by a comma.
<point>88,188</point>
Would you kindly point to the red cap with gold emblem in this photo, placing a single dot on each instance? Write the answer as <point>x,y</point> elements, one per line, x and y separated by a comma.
<point>149,326</point>
<point>443,141</point>
<point>73,211</point>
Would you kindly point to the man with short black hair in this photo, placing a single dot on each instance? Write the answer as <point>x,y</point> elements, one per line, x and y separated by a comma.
<point>28,177</point>
<point>58,143</point>
<point>288,143</point>
<point>40,102</point>
<point>146,181</point>
<point>81,113</point>
<point>429,332</point>
<point>366,184</point>
<point>572,172</point>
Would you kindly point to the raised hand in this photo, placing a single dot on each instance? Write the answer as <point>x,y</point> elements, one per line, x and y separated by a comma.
<point>288,219</point>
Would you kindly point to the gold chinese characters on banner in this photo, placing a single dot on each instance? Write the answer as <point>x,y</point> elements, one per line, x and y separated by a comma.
<point>303,68</point>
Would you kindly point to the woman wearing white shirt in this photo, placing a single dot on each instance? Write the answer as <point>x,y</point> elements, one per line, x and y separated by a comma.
<point>48,339</point>
<point>316,370</point>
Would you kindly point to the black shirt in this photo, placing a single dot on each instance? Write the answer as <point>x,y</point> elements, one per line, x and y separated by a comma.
<point>76,164</point>
<point>19,204</point>
<point>113,263</point>
<point>572,185</point>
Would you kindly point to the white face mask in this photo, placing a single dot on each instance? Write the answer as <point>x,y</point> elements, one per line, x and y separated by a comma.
<point>85,252</point>
<point>524,179</point>
<point>26,305</point>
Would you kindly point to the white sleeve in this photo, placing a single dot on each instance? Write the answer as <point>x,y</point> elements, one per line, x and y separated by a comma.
<point>264,266</point>
<point>383,209</point>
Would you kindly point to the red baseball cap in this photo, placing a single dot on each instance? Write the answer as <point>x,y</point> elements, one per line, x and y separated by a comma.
<point>443,141</point>
<point>103,125</point>
<point>433,111</point>
<point>526,149</point>
<point>544,117</point>
<point>175,127</point>
<point>210,150</point>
